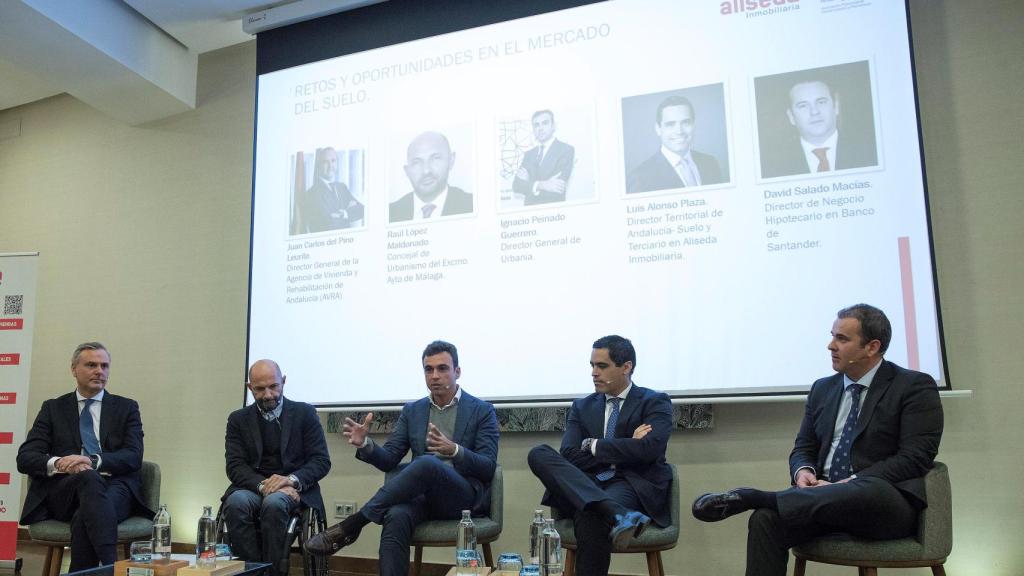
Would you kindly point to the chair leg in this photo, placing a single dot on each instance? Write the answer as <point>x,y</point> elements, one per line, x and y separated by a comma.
<point>488,557</point>
<point>56,557</point>
<point>569,566</point>
<point>654,567</point>
<point>799,567</point>
<point>938,570</point>
<point>869,571</point>
<point>417,560</point>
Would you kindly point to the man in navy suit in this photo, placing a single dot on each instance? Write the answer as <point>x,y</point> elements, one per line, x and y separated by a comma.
<point>544,173</point>
<point>818,145</point>
<point>429,159</point>
<point>328,204</point>
<point>869,435</point>
<point>610,475</point>
<point>454,442</point>
<point>676,164</point>
<point>84,454</point>
<point>275,454</point>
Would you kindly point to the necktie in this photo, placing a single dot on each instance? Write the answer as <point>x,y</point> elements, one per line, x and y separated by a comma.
<point>540,154</point>
<point>428,209</point>
<point>686,173</point>
<point>822,154</point>
<point>840,469</point>
<point>609,432</point>
<point>89,442</point>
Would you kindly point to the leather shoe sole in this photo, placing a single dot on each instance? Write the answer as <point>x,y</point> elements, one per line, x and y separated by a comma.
<point>715,506</point>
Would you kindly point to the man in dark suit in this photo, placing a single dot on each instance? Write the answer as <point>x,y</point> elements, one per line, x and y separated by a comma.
<point>676,164</point>
<point>328,204</point>
<point>869,435</point>
<point>84,454</point>
<point>544,173</point>
<point>818,145</point>
<point>610,475</point>
<point>275,455</point>
<point>454,442</point>
<point>429,159</point>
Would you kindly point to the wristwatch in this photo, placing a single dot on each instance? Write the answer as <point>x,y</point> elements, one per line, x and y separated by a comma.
<point>95,461</point>
<point>295,482</point>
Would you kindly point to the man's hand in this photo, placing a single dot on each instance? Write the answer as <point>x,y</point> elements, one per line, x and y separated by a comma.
<point>805,478</point>
<point>641,431</point>
<point>276,482</point>
<point>290,492</point>
<point>356,431</point>
<point>556,185</point>
<point>439,443</point>
<point>73,464</point>
<point>522,174</point>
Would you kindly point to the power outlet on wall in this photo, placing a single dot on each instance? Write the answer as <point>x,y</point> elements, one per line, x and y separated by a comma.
<point>344,508</point>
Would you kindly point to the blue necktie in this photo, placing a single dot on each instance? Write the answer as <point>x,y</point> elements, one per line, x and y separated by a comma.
<point>840,469</point>
<point>609,433</point>
<point>89,442</point>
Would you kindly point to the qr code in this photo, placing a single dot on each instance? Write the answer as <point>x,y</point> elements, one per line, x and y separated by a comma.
<point>13,304</point>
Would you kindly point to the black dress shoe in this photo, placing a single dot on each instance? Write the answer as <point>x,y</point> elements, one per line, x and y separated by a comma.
<point>716,506</point>
<point>329,541</point>
<point>629,525</point>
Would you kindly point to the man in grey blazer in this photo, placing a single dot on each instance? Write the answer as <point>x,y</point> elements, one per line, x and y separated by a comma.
<point>869,435</point>
<point>276,455</point>
<point>454,442</point>
<point>84,456</point>
<point>610,474</point>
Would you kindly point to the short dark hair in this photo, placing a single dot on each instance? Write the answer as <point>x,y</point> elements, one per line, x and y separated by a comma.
<point>87,346</point>
<point>620,349</point>
<point>439,346</point>
<point>874,325</point>
<point>539,112</point>
<point>675,101</point>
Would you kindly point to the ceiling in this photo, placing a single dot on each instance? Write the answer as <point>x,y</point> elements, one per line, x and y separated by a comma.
<point>135,60</point>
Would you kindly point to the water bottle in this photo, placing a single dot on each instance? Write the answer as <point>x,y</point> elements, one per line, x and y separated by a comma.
<point>536,531</point>
<point>551,550</point>
<point>466,558</point>
<point>206,539</point>
<point>162,534</point>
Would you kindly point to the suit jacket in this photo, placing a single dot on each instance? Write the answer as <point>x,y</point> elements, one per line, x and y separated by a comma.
<point>321,207</point>
<point>55,433</point>
<point>476,433</point>
<point>640,462</point>
<point>458,202</point>
<point>853,150</point>
<point>656,173</point>
<point>897,434</point>
<point>557,162</point>
<point>303,450</point>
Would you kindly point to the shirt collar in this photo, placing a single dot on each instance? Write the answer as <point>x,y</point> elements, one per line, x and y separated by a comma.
<point>274,414</point>
<point>673,158</point>
<point>418,204</point>
<point>829,143</point>
<point>97,398</point>
<point>865,380</point>
<point>622,395</point>
<point>454,402</point>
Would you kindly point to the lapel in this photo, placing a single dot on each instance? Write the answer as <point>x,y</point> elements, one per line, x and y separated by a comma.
<point>879,386</point>
<point>253,421</point>
<point>626,411</point>
<point>418,426</point>
<point>462,417</point>
<point>69,412</point>
<point>107,408</point>
<point>827,425</point>
<point>593,417</point>
<point>287,418</point>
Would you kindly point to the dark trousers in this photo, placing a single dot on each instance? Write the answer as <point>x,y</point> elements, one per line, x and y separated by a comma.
<point>94,504</point>
<point>258,526</point>
<point>868,508</point>
<point>571,490</point>
<point>425,489</point>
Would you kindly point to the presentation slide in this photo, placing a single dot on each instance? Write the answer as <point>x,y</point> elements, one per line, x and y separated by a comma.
<point>711,179</point>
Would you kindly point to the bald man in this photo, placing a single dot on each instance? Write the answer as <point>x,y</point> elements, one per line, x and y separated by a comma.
<point>275,454</point>
<point>429,159</point>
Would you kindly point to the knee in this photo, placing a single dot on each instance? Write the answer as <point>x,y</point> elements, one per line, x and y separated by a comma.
<point>276,507</point>
<point>539,454</point>
<point>423,467</point>
<point>763,521</point>
<point>89,480</point>
<point>240,502</point>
